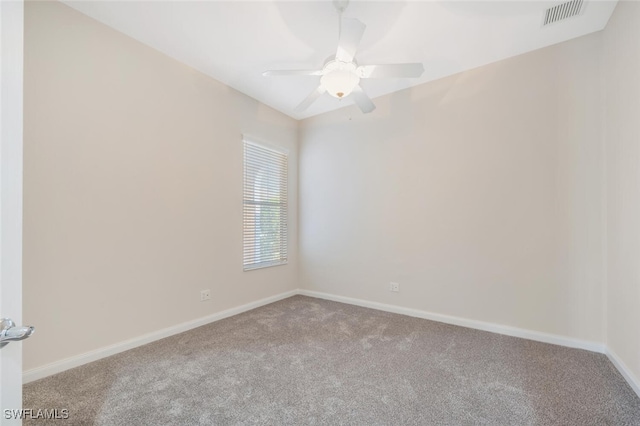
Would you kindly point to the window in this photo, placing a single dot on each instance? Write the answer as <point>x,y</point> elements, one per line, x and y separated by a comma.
<point>265,206</point>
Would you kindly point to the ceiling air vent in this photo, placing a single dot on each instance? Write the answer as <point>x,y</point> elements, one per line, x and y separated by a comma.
<point>563,11</point>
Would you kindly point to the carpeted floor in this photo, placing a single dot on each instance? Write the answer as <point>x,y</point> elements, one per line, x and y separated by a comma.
<point>310,361</point>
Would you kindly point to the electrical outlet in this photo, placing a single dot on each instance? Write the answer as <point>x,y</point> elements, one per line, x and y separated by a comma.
<point>205,295</point>
<point>394,287</point>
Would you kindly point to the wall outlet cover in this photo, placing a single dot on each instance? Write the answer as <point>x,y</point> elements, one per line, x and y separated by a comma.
<point>205,295</point>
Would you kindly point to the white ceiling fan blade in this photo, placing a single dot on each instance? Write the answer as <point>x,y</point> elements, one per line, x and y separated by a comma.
<point>363,101</point>
<point>277,73</point>
<point>391,71</point>
<point>313,96</point>
<point>351,32</point>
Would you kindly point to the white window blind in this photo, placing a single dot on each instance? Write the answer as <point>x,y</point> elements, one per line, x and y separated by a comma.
<point>265,207</point>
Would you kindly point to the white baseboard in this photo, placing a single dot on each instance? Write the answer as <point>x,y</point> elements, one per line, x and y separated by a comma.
<point>464,322</point>
<point>624,371</point>
<point>75,361</point>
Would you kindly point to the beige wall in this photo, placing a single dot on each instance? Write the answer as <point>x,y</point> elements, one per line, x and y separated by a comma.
<point>622,144</point>
<point>132,188</point>
<point>480,194</point>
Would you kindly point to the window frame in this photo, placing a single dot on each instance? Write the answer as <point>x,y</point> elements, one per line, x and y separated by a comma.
<point>246,141</point>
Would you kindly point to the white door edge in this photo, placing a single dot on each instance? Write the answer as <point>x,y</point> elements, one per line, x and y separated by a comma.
<point>11,96</point>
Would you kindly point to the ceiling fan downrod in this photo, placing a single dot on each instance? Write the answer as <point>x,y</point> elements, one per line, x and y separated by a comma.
<point>341,6</point>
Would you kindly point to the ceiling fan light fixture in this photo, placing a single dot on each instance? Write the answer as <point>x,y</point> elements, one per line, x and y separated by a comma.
<point>339,78</point>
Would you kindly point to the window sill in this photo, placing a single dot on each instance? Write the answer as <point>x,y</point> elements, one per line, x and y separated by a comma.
<point>263,265</point>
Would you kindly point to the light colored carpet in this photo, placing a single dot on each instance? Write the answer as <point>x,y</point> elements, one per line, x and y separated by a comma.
<point>310,361</point>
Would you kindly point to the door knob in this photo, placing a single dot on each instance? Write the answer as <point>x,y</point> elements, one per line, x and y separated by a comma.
<point>10,333</point>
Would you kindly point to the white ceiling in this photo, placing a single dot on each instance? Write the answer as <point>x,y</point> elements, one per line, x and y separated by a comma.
<point>235,41</point>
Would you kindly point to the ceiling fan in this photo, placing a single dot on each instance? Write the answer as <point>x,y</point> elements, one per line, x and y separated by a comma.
<point>340,76</point>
